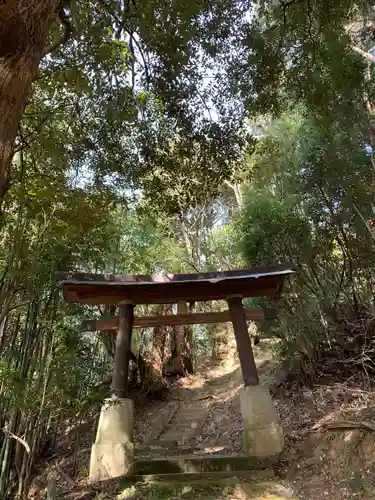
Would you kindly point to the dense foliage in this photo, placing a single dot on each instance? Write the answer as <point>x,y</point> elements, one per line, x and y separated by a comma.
<point>309,203</point>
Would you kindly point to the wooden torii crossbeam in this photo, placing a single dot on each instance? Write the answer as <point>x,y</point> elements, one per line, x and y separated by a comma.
<point>204,318</point>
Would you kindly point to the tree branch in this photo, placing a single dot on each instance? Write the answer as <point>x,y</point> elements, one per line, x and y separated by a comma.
<point>145,67</point>
<point>285,6</point>
<point>17,438</point>
<point>364,54</point>
<point>122,25</point>
<point>371,59</point>
<point>345,424</point>
<point>64,36</point>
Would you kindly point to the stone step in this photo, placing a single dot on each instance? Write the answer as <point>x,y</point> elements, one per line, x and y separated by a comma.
<point>191,413</point>
<point>163,451</point>
<point>179,438</point>
<point>187,424</point>
<point>167,450</point>
<point>193,416</point>
<point>173,435</point>
<point>188,413</point>
<point>245,486</point>
<point>218,477</point>
<point>198,464</point>
<point>156,443</point>
<point>180,430</point>
<point>186,404</point>
<point>177,433</point>
<point>192,410</point>
<point>183,418</point>
<point>178,426</point>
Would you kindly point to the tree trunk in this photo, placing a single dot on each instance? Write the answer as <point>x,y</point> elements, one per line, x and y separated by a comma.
<point>24,27</point>
<point>175,364</point>
<point>158,347</point>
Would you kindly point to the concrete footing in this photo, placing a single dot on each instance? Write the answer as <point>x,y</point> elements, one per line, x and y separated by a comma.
<point>112,454</point>
<point>263,434</point>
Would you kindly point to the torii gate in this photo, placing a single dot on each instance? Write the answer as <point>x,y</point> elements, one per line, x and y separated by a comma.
<point>112,453</point>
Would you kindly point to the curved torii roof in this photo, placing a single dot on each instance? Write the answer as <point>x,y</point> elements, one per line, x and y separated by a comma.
<point>257,281</point>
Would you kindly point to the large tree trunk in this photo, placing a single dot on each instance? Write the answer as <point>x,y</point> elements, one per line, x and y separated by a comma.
<point>24,27</point>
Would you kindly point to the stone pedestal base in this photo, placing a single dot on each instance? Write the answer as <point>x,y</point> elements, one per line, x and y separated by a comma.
<point>110,460</point>
<point>263,434</point>
<point>112,454</point>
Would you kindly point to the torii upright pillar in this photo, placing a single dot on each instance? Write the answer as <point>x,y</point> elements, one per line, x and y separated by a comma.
<point>263,434</point>
<point>112,454</point>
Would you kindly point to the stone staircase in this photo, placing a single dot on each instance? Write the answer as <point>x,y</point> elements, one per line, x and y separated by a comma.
<point>170,466</point>
<point>159,472</point>
<point>185,422</point>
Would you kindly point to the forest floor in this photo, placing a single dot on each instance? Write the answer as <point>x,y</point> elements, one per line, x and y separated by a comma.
<point>329,436</point>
